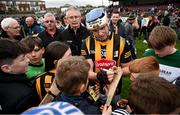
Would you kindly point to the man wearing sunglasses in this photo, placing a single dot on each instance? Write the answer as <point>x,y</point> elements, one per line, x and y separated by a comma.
<point>104,48</point>
<point>51,33</point>
<point>11,29</point>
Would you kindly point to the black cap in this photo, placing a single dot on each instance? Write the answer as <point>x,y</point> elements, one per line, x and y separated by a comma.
<point>131,17</point>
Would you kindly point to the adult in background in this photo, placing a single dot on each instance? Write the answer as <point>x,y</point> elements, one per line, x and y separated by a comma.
<point>115,24</point>
<point>51,33</point>
<point>130,35</point>
<point>10,29</point>
<point>166,19</point>
<point>31,27</point>
<point>75,32</point>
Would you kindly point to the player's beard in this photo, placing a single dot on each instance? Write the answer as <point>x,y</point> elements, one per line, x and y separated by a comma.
<point>101,38</point>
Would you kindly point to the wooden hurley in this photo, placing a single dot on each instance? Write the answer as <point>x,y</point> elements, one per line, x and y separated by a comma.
<point>47,99</point>
<point>117,76</point>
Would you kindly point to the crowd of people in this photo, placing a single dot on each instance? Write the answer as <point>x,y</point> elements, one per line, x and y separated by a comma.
<point>50,68</point>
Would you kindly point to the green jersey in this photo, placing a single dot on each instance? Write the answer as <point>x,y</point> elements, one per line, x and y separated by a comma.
<point>169,65</point>
<point>34,70</point>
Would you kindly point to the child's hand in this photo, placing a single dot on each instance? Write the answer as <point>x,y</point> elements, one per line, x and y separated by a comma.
<point>107,110</point>
<point>122,103</point>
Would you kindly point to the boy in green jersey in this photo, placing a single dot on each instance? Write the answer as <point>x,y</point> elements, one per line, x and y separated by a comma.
<point>162,40</point>
<point>37,64</point>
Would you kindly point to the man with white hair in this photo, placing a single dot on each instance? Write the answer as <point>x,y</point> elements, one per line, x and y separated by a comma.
<point>51,33</point>
<point>11,29</point>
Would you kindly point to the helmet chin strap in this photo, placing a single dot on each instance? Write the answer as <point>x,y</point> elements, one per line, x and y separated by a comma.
<point>101,39</point>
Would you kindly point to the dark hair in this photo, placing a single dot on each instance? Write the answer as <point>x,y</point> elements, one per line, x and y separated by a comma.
<point>10,50</point>
<point>32,41</point>
<point>54,51</point>
<point>71,73</point>
<point>115,12</point>
<point>156,95</point>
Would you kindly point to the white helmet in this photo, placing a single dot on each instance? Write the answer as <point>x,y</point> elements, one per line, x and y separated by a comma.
<point>96,18</point>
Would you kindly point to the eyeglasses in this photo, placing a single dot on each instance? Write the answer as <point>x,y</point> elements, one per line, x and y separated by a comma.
<point>16,27</point>
<point>74,17</point>
<point>47,21</point>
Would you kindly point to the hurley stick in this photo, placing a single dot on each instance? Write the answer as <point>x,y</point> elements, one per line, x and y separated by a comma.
<point>117,76</point>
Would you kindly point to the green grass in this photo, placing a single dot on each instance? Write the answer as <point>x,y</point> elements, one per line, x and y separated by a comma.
<point>140,47</point>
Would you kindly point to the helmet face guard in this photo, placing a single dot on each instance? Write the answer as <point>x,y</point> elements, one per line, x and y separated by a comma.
<point>96,18</point>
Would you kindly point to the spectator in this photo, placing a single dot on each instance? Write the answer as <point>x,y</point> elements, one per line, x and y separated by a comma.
<point>54,108</point>
<point>130,35</point>
<point>166,19</point>
<point>17,92</point>
<point>54,51</point>
<point>51,33</point>
<point>11,29</point>
<point>75,32</point>
<point>151,24</point>
<point>69,70</point>
<point>115,24</point>
<point>162,40</point>
<point>153,95</point>
<point>144,66</point>
<point>31,27</point>
<point>36,64</point>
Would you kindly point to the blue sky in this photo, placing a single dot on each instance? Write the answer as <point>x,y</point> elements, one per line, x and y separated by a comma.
<point>58,3</point>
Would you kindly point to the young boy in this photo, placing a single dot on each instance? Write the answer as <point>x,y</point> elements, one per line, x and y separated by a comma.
<point>37,64</point>
<point>144,66</point>
<point>149,95</point>
<point>162,40</point>
<point>72,80</point>
<point>17,93</point>
<point>54,51</point>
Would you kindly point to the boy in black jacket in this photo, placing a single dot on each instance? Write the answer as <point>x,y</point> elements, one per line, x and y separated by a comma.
<point>17,93</point>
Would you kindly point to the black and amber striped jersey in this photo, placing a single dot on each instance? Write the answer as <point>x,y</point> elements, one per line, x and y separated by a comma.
<point>107,54</point>
<point>43,83</point>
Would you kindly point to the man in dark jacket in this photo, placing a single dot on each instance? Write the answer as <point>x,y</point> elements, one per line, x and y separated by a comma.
<point>166,19</point>
<point>115,24</point>
<point>75,32</point>
<point>17,92</point>
<point>31,27</point>
<point>51,33</point>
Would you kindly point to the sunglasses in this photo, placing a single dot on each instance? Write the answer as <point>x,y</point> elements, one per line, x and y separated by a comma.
<point>47,21</point>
